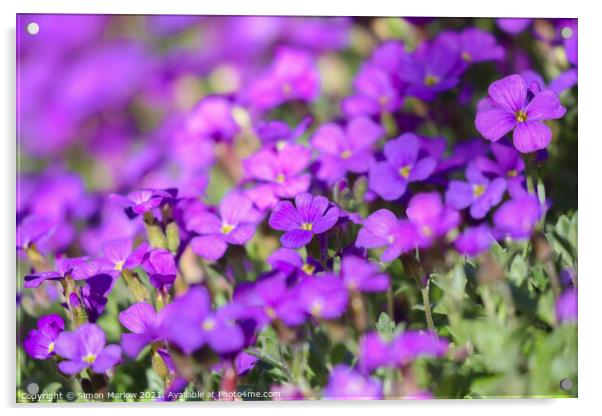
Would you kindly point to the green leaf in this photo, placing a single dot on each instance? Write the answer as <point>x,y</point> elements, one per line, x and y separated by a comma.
<point>385,326</point>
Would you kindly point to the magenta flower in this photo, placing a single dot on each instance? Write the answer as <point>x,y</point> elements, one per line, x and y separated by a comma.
<point>34,230</point>
<point>345,383</point>
<point>77,268</point>
<point>141,201</point>
<point>475,45</point>
<point>374,352</point>
<point>474,241</point>
<point>278,174</point>
<point>191,323</point>
<point>293,75</point>
<point>212,118</point>
<point>414,344</point>
<point>310,215</point>
<point>375,92</point>
<point>280,133</point>
<point>566,306</point>
<point>119,254</point>
<point>146,326</point>
<point>85,348</point>
<point>363,276</point>
<point>517,218</point>
<point>160,266</point>
<point>513,25</point>
<point>348,150</point>
<point>235,225</point>
<point>431,217</point>
<point>40,343</point>
<point>383,229</point>
<point>390,179</point>
<point>324,296</point>
<point>509,107</point>
<point>479,193</point>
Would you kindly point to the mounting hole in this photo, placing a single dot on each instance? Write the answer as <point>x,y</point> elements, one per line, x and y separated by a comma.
<point>566,32</point>
<point>33,28</point>
<point>566,384</point>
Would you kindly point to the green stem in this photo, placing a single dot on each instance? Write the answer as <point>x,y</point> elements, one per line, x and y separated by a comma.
<point>427,307</point>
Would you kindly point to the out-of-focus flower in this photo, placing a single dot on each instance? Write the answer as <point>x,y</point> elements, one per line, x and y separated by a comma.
<point>566,306</point>
<point>139,202</point>
<point>389,179</point>
<point>310,215</point>
<point>509,107</point>
<point>517,218</point>
<point>119,254</point>
<point>348,150</point>
<point>345,383</point>
<point>212,118</point>
<point>191,323</point>
<point>475,45</point>
<point>85,348</point>
<point>431,217</point>
<point>375,92</point>
<point>77,268</point>
<point>363,276</point>
<point>279,133</point>
<point>33,231</point>
<point>278,174</point>
<point>40,343</point>
<point>293,75</point>
<point>479,193</point>
<point>145,324</point>
<point>235,225</point>
<point>414,344</point>
<point>290,263</point>
<point>383,229</point>
<point>323,296</point>
<point>513,25</point>
<point>474,240</point>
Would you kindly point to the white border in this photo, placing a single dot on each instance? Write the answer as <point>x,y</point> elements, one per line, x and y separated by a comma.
<point>590,151</point>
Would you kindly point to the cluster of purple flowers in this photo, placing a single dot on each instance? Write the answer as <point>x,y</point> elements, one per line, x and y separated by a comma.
<point>337,193</point>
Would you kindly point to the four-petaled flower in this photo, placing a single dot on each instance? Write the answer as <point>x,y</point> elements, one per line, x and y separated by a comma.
<point>40,343</point>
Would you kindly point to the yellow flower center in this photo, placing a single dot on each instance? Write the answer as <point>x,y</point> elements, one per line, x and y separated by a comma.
<point>270,312</point>
<point>430,80</point>
<point>466,56</point>
<point>287,89</point>
<point>280,178</point>
<point>281,144</point>
<point>383,100</point>
<point>521,116</point>
<point>512,173</point>
<point>426,231</point>
<point>227,228</point>
<point>90,358</point>
<point>307,226</point>
<point>390,239</point>
<point>478,190</point>
<point>316,309</point>
<point>308,269</point>
<point>208,324</point>
<point>346,154</point>
<point>51,348</point>
<point>119,265</point>
<point>405,171</point>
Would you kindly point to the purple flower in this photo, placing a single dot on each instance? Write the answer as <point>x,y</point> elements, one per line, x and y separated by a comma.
<point>310,215</point>
<point>479,193</point>
<point>145,324</point>
<point>508,162</point>
<point>566,306</point>
<point>383,229</point>
<point>278,174</point>
<point>212,118</point>
<point>85,348</point>
<point>95,294</point>
<point>348,150</point>
<point>389,179</point>
<point>374,352</point>
<point>190,323</point>
<point>234,225</point>
<point>293,75</point>
<point>363,276</point>
<point>414,344</point>
<point>119,254</point>
<point>141,201</point>
<point>160,266</point>
<point>432,68</point>
<point>474,241</point>
<point>475,45</point>
<point>290,263</point>
<point>345,383</point>
<point>431,217</point>
<point>517,217</point>
<point>375,92</point>
<point>571,41</point>
<point>77,268</point>
<point>509,107</point>
<point>280,133</point>
<point>323,296</point>
<point>33,231</point>
<point>40,343</point>
<point>512,25</point>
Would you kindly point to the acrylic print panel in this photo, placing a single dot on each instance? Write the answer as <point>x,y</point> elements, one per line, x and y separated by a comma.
<point>291,208</point>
